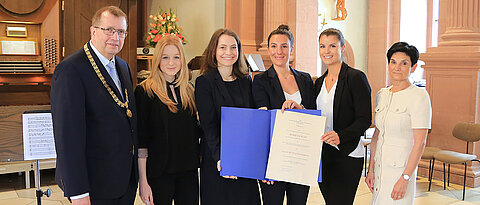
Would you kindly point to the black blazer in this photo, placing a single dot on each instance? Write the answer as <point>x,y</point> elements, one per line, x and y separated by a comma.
<point>95,140</point>
<point>153,123</point>
<point>352,107</point>
<point>210,95</point>
<point>267,90</point>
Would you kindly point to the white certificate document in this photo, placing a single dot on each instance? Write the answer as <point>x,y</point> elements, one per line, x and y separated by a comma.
<point>296,148</point>
<point>38,141</point>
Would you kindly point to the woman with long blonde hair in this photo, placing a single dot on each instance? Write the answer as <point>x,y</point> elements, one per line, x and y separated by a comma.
<point>168,155</point>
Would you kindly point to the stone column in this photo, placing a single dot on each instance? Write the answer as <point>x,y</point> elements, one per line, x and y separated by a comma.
<point>383,31</point>
<point>453,82</point>
<point>463,24</point>
<point>274,14</point>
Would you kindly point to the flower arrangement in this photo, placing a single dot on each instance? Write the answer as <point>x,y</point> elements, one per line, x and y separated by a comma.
<point>164,23</point>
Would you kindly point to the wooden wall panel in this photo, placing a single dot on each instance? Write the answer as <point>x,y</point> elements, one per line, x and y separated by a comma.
<point>11,136</point>
<point>24,95</point>
<point>36,17</point>
<point>77,21</point>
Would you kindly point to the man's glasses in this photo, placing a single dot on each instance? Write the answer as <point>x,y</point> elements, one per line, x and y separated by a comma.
<point>110,31</point>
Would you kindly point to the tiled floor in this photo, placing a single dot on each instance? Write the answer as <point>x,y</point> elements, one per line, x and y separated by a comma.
<point>12,193</point>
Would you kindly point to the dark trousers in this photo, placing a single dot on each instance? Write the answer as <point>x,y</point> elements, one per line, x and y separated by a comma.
<point>340,177</point>
<point>216,190</point>
<point>273,194</point>
<point>127,199</point>
<point>179,187</point>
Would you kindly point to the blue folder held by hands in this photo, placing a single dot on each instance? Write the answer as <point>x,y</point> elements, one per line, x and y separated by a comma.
<point>245,141</point>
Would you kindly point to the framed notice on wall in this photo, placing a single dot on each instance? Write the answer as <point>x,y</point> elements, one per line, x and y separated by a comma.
<point>18,47</point>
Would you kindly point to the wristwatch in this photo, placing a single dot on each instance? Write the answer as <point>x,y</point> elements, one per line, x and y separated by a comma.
<point>406,177</point>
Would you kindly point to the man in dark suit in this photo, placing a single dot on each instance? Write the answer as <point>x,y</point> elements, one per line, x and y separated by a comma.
<point>94,120</point>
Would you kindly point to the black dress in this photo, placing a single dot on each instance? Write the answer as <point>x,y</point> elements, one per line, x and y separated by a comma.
<point>172,140</point>
<point>211,93</point>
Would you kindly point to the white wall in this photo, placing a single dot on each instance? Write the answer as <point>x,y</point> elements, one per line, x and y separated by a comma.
<point>198,18</point>
<point>354,28</point>
<point>413,30</point>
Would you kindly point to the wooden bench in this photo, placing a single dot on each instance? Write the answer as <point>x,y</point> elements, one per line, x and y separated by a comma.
<point>21,166</point>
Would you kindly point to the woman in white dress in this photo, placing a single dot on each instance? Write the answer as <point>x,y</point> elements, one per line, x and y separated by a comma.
<point>402,119</point>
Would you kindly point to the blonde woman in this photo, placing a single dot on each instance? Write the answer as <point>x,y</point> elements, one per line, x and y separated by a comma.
<point>168,155</point>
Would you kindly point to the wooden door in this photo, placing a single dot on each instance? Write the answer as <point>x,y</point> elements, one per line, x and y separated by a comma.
<point>77,19</point>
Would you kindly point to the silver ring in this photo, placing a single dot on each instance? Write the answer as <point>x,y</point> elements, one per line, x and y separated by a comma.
<point>147,203</point>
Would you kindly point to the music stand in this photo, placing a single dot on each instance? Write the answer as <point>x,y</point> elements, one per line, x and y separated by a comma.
<point>255,62</point>
<point>38,142</point>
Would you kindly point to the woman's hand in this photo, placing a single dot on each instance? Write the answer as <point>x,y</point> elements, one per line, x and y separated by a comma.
<point>399,189</point>
<point>81,201</point>
<point>369,179</point>
<point>268,182</point>
<point>219,168</point>
<point>290,104</point>
<point>331,138</point>
<point>146,192</point>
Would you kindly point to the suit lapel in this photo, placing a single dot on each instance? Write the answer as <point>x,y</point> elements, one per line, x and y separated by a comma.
<point>104,72</point>
<point>339,92</point>
<point>319,84</point>
<point>300,84</point>
<point>275,83</point>
<point>247,99</point>
<point>123,75</point>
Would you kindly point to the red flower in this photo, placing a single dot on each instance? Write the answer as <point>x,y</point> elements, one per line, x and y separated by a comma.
<point>157,38</point>
<point>163,23</point>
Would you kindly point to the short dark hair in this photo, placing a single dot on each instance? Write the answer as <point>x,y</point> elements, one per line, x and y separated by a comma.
<point>209,60</point>
<point>111,9</point>
<point>333,32</point>
<point>282,30</point>
<point>406,48</point>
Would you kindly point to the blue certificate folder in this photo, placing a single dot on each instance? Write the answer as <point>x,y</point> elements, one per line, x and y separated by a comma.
<point>245,141</point>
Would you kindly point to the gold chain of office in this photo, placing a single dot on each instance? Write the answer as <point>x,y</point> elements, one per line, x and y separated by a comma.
<point>100,76</point>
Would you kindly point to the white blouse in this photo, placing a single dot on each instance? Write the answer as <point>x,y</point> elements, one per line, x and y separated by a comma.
<point>295,96</point>
<point>325,104</point>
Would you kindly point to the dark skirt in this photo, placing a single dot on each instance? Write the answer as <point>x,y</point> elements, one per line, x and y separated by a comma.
<point>216,190</point>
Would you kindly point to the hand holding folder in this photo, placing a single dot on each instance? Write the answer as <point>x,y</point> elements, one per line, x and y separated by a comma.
<point>246,136</point>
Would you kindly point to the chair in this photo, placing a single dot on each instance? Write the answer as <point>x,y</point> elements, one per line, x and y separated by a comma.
<point>468,132</point>
<point>428,154</point>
